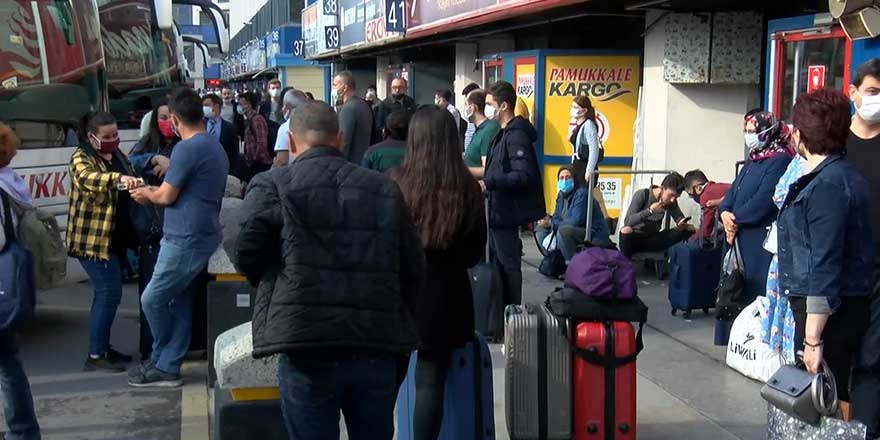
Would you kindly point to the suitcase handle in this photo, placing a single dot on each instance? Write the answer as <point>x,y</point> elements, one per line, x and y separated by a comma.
<point>590,354</point>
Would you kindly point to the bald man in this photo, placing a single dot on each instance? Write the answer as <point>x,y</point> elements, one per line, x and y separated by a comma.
<point>338,264</point>
<point>399,101</point>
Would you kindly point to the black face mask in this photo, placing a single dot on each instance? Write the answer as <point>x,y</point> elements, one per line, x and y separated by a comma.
<point>695,196</point>
<point>397,96</point>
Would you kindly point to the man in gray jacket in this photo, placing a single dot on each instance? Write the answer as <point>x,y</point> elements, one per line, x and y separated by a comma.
<point>355,118</point>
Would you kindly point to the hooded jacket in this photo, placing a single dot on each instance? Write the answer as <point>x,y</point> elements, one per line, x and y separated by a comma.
<point>512,178</point>
<point>336,258</point>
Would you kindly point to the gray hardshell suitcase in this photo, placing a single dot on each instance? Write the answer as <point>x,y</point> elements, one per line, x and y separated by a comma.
<point>537,374</point>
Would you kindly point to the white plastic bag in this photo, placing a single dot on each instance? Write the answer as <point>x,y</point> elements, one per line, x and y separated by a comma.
<point>746,352</point>
<point>549,242</point>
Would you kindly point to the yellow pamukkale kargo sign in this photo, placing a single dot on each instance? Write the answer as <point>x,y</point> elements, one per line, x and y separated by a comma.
<point>612,83</point>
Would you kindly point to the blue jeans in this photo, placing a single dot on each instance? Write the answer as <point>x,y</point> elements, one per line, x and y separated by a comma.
<point>314,391</point>
<point>106,278</point>
<point>18,404</point>
<point>168,306</point>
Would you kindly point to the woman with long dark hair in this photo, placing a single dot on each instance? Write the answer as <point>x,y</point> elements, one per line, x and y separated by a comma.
<point>446,205</point>
<point>151,154</point>
<point>150,158</point>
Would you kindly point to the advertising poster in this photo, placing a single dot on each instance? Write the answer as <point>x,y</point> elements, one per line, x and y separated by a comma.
<point>351,22</point>
<point>612,83</point>
<point>525,83</point>
<point>319,27</point>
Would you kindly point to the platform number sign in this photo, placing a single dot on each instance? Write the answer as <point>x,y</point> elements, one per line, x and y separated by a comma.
<point>395,15</point>
<point>331,7</point>
<point>331,37</point>
<point>298,48</point>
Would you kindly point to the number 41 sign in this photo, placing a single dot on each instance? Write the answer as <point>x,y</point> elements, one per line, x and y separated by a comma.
<point>395,15</point>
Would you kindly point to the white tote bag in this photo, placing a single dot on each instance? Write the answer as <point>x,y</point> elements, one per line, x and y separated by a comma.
<point>746,353</point>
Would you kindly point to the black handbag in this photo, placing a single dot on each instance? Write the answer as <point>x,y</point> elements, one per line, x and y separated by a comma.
<point>731,289</point>
<point>801,394</point>
<point>553,264</point>
<point>146,221</point>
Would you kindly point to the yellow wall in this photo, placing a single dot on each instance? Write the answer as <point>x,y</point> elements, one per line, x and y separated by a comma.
<point>612,83</point>
<point>307,79</point>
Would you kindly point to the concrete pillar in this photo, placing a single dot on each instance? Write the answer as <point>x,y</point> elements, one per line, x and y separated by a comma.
<point>381,65</point>
<point>465,73</point>
<point>689,126</point>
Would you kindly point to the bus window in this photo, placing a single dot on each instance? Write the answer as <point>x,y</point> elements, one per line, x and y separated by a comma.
<point>39,134</point>
<point>63,18</point>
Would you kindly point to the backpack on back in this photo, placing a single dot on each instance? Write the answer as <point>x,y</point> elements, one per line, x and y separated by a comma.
<point>602,274</point>
<point>17,290</point>
<point>38,232</point>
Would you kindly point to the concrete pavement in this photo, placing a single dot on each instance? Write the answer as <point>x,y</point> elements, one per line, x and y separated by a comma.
<point>684,389</point>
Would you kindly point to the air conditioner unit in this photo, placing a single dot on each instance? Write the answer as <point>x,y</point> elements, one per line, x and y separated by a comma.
<point>862,24</point>
<point>839,8</point>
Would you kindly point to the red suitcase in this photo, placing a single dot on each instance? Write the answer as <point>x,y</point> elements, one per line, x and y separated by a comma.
<point>605,381</point>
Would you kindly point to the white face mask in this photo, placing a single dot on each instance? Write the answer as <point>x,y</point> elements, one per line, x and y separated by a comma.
<point>209,111</point>
<point>576,112</point>
<point>468,113</point>
<point>490,111</point>
<point>274,92</point>
<point>870,108</point>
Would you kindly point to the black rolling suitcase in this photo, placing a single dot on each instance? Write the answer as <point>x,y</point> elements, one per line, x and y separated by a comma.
<point>488,294</point>
<point>198,288</point>
<point>694,272</point>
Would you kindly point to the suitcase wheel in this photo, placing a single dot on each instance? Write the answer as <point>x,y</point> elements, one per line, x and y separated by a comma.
<point>686,314</point>
<point>674,311</point>
<point>706,310</point>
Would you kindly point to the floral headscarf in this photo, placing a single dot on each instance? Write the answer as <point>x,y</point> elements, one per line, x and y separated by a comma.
<point>774,133</point>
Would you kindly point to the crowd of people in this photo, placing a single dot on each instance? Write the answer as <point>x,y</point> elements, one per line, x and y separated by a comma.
<point>364,217</point>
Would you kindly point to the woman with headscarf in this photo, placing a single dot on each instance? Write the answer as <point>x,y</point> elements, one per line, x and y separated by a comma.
<point>748,208</point>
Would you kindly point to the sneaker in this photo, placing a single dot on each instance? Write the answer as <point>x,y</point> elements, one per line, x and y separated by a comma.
<point>155,378</point>
<point>118,357</point>
<point>103,363</point>
<point>140,368</point>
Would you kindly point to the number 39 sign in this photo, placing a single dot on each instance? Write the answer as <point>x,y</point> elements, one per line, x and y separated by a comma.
<point>395,15</point>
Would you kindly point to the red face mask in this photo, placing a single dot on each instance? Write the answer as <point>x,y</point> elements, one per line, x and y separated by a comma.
<point>108,147</point>
<point>165,128</point>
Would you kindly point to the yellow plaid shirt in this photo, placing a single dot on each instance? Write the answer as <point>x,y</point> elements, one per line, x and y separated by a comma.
<point>92,209</point>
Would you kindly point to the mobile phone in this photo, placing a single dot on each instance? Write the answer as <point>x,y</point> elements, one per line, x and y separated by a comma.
<point>685,220</point>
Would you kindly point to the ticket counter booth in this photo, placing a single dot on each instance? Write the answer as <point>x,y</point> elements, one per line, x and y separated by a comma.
<point>548,80</point>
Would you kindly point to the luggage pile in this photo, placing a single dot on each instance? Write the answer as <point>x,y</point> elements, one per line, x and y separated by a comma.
<point>571,371</point>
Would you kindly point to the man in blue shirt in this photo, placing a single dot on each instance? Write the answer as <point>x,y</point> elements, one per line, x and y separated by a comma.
<point>191,193</point>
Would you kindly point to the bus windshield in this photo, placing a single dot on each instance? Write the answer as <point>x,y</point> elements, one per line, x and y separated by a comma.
<point>142,61</point>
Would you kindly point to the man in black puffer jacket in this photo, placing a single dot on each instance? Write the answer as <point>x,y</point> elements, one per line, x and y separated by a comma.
<point>513,181</point>
<point>339,264</point>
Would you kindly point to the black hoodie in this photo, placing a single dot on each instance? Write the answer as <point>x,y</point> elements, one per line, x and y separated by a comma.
<point>516,194</point>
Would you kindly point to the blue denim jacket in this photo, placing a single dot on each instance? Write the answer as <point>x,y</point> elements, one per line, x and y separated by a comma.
<point>824,235</point>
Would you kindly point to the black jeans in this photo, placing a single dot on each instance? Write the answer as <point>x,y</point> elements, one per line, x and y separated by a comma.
<point>636,242</point>
<point>431,370</point>
<point>505,252</point>
<point>842,336</point>
<point>866,373</point>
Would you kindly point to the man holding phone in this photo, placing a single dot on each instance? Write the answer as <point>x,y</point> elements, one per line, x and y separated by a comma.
<point>644,219</point>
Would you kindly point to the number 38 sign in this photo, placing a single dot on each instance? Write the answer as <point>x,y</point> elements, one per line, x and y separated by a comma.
<point>395,15</point>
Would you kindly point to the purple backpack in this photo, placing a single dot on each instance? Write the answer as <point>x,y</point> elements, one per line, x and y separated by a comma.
<point>602,274</point>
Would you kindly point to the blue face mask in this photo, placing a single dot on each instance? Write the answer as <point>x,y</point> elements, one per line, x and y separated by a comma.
<point>752,141</point>
<point>565,186</point>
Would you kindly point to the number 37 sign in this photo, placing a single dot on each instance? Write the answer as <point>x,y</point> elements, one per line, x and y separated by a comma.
<point>395,15</point>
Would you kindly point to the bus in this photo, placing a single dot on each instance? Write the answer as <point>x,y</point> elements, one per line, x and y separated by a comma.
<point>62,58</point>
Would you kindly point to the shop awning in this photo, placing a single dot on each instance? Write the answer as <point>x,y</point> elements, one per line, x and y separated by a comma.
<point>500,11</point>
